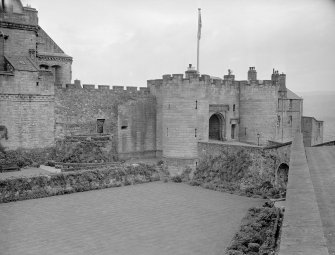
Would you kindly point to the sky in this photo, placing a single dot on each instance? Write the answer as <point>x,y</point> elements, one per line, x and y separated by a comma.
<point>128,42</point>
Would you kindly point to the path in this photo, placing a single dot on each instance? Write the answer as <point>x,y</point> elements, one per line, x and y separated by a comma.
<point>321,162</point>
<point>154,218</point>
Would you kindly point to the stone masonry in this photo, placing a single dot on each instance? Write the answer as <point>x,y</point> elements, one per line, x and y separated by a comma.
<point>39,105</point>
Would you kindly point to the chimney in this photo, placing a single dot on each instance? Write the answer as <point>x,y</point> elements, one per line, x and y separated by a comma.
<point>252,74</point>
<point>3,38</point>
<point>275,76</point>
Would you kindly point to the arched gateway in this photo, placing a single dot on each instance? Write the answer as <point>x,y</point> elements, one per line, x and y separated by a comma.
<point>216,127</point>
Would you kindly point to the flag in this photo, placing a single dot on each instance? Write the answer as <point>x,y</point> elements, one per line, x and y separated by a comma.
<point>199,25</point>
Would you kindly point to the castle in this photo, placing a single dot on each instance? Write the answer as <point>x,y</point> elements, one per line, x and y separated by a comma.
<point>39,106</point>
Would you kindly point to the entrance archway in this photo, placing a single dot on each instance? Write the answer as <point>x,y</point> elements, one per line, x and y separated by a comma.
<point>282,175</point>
<point>216,127</point>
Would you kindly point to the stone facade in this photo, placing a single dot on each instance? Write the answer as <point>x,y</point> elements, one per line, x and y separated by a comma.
<point>168,119</point>
<point>30,64</point>
<point>194,108</point>
<point>312,131</point>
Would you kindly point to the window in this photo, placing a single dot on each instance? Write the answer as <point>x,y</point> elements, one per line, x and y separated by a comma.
<point>290,120</point>
<point>37,84</point>
<point>290,104</point>
<point>233,108</point>
<point>196,104</point>
<point>100,126</point>
<point>195,132</point>
<point>167,131</point>
<point>245,131</point>
<point>124,127</point>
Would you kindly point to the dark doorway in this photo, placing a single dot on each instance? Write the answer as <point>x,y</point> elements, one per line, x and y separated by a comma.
<point>282,175</point>
<point>100,126</point>
<point>215,127</point>
<point>233,127</point>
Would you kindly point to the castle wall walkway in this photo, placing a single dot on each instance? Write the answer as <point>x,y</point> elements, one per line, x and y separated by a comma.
<point>155,218</point>
<point>321,162</point>
<point>302,231</point>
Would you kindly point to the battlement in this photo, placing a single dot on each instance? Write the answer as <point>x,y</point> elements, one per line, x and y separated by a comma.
<point>92,87</point>
<point>192,76</point>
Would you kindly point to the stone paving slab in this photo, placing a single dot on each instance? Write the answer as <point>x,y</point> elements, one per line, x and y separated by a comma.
<point>321,162</point>
<point>153,218</point>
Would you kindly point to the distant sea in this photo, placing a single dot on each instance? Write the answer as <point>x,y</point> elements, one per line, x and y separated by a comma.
<point>321,105</point>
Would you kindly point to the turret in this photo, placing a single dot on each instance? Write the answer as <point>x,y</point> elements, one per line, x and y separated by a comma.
<point>191,72</point>
<point>252,74</point>
<point>11,6</point>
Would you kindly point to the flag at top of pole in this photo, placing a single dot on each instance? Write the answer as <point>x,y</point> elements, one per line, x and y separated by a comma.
<point>199,36</point>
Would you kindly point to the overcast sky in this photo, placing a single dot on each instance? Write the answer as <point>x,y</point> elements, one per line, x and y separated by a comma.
<point>127,42</point>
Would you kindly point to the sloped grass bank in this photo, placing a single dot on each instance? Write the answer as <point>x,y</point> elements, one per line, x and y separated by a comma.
<point>259,232</point>
<point>235,173</point>
<point>22,188</point>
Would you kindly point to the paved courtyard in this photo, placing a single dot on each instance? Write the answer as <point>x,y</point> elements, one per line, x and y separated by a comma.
<point>154,218</point>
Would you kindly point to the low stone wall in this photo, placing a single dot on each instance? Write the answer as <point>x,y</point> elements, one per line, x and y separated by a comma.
<point>23,188</point>
<point>302,231</point>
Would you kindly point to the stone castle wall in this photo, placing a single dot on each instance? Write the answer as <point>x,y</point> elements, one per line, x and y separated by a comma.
<point>184,107</point>
<point>312,131</point>
<point>258,112</point>
<point>78,111</point>
<point>137,128</point>
<point>27,110</point>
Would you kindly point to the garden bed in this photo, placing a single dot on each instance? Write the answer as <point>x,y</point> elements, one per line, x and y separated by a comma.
<point>259,232</point>
<point>22,188</point>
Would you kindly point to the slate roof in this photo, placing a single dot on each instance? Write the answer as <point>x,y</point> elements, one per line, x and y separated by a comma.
<point>291,95</point>
<point>21,63</point>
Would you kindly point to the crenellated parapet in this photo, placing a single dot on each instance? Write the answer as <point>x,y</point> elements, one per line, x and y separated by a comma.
<point>192,77</point>
<point>103,88</point>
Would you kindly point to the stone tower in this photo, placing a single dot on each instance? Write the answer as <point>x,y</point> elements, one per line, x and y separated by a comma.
<point>31,63</point>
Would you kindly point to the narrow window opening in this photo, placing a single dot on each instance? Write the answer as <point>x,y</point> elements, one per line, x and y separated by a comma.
<point>169,107</point>
<point>196,164</point>
<point>196,104</point>
<point>37,84</point>
<point>195,132</point>
<point>100,126</point>
<point>124,127</point>
<point>245,131</point>
<point>167,131</point>
<point>233,108</point>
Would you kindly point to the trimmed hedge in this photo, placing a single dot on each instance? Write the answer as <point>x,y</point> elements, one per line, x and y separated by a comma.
<point>23,188</point>
<point>259,232</point>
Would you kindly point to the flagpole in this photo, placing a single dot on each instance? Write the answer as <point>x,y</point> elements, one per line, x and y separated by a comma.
<point>199,35</point>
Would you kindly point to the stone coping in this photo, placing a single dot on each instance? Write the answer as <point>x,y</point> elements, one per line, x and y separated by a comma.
<point>302,231</point>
